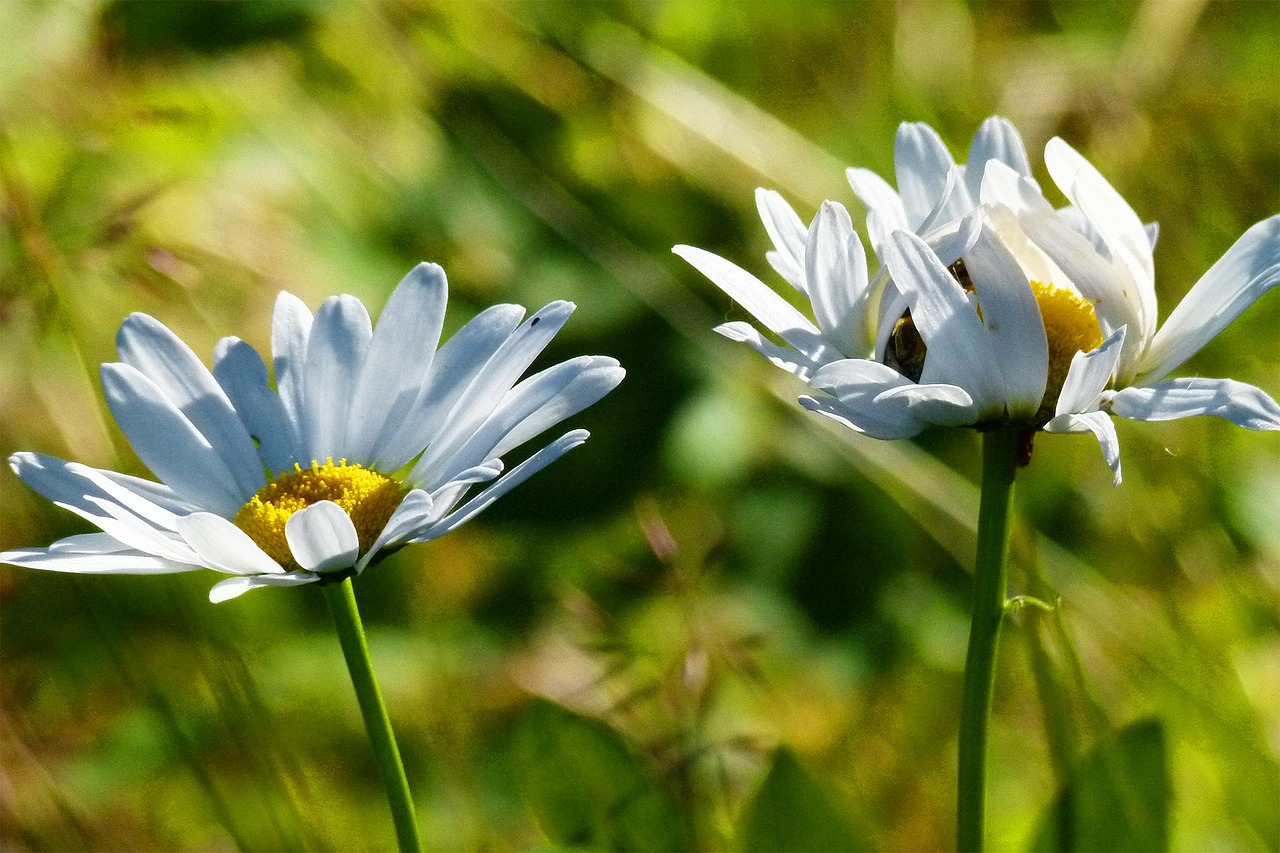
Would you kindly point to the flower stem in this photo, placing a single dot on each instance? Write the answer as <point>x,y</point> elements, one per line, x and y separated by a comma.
<point>1001,449</point>
<point>341,598</point>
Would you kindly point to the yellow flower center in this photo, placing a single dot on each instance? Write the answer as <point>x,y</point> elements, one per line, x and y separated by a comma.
<point>368,497</point>
<point>1071,326</point>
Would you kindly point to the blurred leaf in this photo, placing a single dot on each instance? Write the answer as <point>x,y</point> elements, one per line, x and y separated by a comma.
<point>1116,799</point>
<point>792,811</point>
<point>588,790</point>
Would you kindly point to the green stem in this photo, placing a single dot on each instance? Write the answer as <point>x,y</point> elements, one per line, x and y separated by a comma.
<point>341,598</point>
<point>1000,451</point>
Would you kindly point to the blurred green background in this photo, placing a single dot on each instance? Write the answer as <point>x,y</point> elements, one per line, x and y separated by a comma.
<point>715,573</point>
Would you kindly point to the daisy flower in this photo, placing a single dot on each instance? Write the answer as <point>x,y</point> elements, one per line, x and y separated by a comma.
<point>370,439</point>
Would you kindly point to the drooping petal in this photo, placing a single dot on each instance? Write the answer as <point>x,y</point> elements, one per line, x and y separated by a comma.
<point>1102,428</point>
<point>224,547</point>
<point>836,269</point>
<point>322,538</point>
<point>787,232</point>
<point>243,376</point>
<point>775,313</point>
<point>883,403</point>
<point>335,356</point>
<point>1249,269</point>
<point>169,444</point>
<point>399,361</point>
<point>1242,404</point>
<point>234,587</point>
<point>887,423</point>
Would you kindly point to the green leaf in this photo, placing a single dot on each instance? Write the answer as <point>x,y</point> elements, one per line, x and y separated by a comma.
<point>793,812</point>
<point>1116,799</point>
<point>588,790</point>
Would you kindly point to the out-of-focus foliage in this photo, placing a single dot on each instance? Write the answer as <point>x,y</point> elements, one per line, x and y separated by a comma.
<point>715,575</point>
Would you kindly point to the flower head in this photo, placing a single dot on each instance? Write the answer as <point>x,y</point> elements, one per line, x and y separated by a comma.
<point>370,439</point>
<point>993,308</point>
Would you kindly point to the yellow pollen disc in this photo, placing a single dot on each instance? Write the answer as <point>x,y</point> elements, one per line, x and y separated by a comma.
<point>368,497</point>
<point>1071,326</point>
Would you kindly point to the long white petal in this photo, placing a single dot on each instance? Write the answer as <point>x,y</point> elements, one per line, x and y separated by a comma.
<point>1012,320</point>
<point>234,587</point>
<point>1238,402</point>
<point>410,516</point>
<point>335,355</point>
<point>487,389</point>
<point>997,140</point>
<point>1249,269</point>
<point>1118,226</point>
<point>92,554</point>
<point>600,376</point>
<point>787,232</point>
<point>147,345</point>
<point>169,444</point>
<point>452,370</point>
<point>878,197</point>
<point>243,376</point>
<point>224,547</point>
<point>322,538</point>
<point>777,315</point>
<point>784,357</point>
<point>836,269</point>
<point>922,165</point>
<point>884,422</point>
<point>399,361</point>
<point>290,331</point>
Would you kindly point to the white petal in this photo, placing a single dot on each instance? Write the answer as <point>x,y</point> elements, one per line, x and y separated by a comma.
<point>400,355</point>
<point>133,532</point>
<point>1118,226</point>
<point>785,357</point>
<point>1249,269</point>
<point>879,198</point>
<point>944,405</point>
<point>836,269</point>
<point>322,538</point>
<point>147,345</point>
<point>169,444</point>
<point>224,547</point>
<point>452,370</point>
<point>885,422</point>
<point>996,140</point>
<point>1089,374</point>
<point>881,402</point>
<point>922,166</point>
<point>407,521</point>
<point>1012,320</point>
<point>787,232</point>
<point>1238,402</point>
<point>1102,428</point>
<point>290,331</point>
<point>241,373</point>
<point>488,388</point>
<point>509,481</point>
<point>233,587</point>
<point>959,347</point>
<point>92,554</point>
<point>777,315</point>
<point>335,355</point>
<point>598,376</point>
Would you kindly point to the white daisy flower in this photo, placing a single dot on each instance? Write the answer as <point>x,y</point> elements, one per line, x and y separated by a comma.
<point>370,439</point>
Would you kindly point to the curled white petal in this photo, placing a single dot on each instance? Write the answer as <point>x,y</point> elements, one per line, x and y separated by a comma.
<point>234,587</point>
<point>322,538</point>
